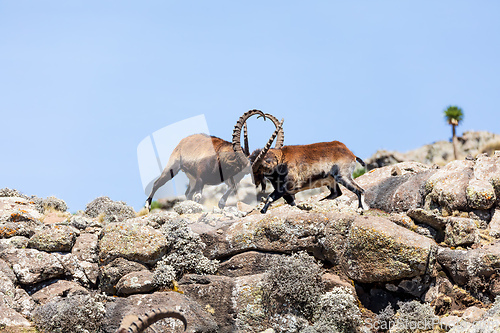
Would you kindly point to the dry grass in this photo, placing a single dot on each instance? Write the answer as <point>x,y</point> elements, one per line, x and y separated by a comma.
<point>143,212</point>
<point>50,213</point>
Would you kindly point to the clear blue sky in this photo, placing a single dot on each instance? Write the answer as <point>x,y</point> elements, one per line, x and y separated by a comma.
<point>83,82</point>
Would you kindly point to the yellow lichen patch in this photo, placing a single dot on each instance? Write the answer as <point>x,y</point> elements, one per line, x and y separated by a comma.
<point>175,287</point>
<point>15,217</point>
<point>209,309</point>
<point>6,232</point>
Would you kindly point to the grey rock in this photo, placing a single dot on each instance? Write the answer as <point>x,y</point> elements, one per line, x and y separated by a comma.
<point>61,288</point>
<point>81,271</point>
<point>82,222</point>
<point>32,266</point>
<point>56,238</point>
<point>473,314</point>
<point>135,283</point>
<point>7,287</point>
<point>488,169</point>
<point>19,242</point>
<point>447,187</point>
<point>428,217</point>
<point>462,265</point>
<point>110,274</point>
<point>7,271</point>
<point>480,194</point>
<point>494,226</point>
<point>188,207</point>
<point>377,250</point>
<point>132,241</point>
<point>11,318</point>
<point>247,263</point>
<point>108,209</point>
<point>395,193</point>
<point>85,247</point>
<point>460,232</point>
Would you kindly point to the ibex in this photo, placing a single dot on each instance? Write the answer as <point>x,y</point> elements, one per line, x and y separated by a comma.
<point>137,324</point>
<point>292,169</point>
<point>209,160</point>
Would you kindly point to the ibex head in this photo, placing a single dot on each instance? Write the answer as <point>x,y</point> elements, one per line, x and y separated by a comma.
<point>257,157</point>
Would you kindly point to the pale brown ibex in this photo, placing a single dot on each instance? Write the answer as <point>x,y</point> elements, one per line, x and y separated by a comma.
<point>209,160</point>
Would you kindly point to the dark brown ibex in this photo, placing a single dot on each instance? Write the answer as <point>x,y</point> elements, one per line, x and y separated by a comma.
<point>209,160</point>
<point>137,324</point>
<point>292,169</point>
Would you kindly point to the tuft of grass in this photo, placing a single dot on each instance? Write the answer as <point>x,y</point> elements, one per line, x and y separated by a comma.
<point>156,205</point>
<point>358,172</point>
<point>143,212</point>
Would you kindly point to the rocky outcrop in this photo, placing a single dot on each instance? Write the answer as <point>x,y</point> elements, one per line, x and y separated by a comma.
<point>440,152</point>
<point>426,250</point>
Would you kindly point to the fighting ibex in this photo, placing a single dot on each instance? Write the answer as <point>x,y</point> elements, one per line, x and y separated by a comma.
<point>137,324</point>
<point>292,169</point>
<point>209,160</point>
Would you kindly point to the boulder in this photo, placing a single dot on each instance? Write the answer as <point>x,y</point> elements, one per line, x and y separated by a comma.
<point>32,266</point>
<point>462,265</point>
<point>428,217</point>
<point>57,238</point>
<point>332,281</point>
<point>85,247</point>
<point>19,242</point>
<point>131,241</point>
<point>488,169</point>
<point>447,187</point>
<point>58,289</point>
<point>82,271</point>
<point>10,318</point>
<point>7,287</point>
<point>83,222</point>
<point>396,188</point>
<point>494,226</point>
<point>378,250</point>
<point>284,229</point>
<point>188,207</point>
<point>110,274</point>
<point>17,209</point>
<point>135,283</point>
<point>480,194</point>
<point>109,210</point>
<point>7,271</point>
<point>246,263</point>
<point>460,232</point>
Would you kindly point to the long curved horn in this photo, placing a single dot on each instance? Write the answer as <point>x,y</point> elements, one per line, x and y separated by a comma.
<point>137,324</point>
<point>237,129</point>
<point>281,135</point>
<point>246,149</point>
<point>263,152</point>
